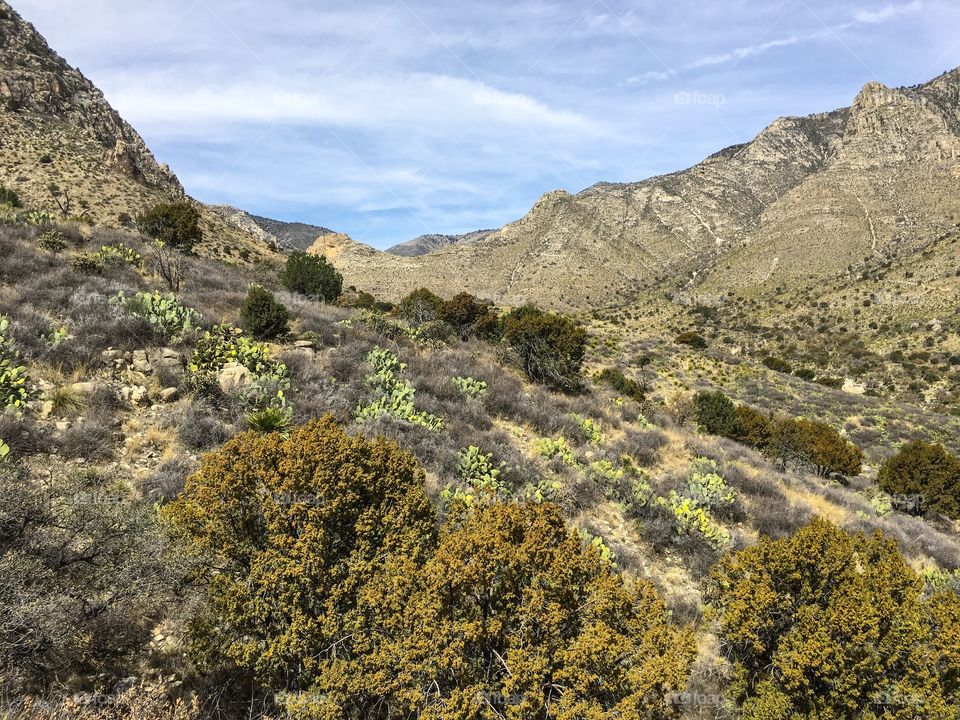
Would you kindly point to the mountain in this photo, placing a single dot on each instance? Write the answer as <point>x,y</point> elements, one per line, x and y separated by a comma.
<point>428,243</point>
<point>285,235</point>
<point>56,128</point>
<point>804,200</point>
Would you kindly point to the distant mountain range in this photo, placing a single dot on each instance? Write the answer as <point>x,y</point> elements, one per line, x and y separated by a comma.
<point>428,243</point>
<point>810,198</point>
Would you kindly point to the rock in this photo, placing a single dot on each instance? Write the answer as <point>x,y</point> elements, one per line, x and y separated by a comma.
<point>136,395</point>
<point>304,344</point>
<point>233,377</point>
<point>111,355</point>
<point>168,360</point>
<point>46,409</point>
<point>141,363</point>
<point>168,394</point>
<point>62,425</point>
<point>84,388</point>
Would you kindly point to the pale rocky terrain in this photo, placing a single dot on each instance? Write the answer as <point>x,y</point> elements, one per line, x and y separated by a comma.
<point>803,201</point>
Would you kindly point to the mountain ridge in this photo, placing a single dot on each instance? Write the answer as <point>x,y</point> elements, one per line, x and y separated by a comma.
<point>748,201</point>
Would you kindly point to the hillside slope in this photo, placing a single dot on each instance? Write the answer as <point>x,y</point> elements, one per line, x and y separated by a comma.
<point>57,128</point>
<point>428,243</point>
<point>804,199</point>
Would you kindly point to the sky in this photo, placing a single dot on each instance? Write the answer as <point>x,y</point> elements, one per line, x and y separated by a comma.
<point>388,119</point>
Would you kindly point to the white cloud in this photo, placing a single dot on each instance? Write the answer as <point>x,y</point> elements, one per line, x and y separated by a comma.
<point>888,12</point>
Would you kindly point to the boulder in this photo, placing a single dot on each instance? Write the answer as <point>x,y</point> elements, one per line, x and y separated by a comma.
<point>233,377</point>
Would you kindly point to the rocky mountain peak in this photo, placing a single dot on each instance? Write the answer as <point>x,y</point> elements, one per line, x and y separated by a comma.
<point>35,80</point>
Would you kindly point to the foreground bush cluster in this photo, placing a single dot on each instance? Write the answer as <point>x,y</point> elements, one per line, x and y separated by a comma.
<point>311,568</point>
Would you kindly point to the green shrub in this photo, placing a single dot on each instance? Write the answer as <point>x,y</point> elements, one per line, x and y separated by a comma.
<point>313,276</point>
<point>462,312</point>
<point>922,476</point>
<point>621,383</point>
<point>310,534</point>
<point>87,264</point>
<point>15,388</point>
<point>470,387</point>
<point>176,224</point>
<point>825,624</point>
<point>550,348</point>
<point>693,339</point>
<point>753,427</point>
<point>778,364</point>
<point>52,241</point>
<point>482,476</point>
<point>805,374</point>
<point>421,306</point>
<point>162,310</point>
<point>816,445</point>
<point>716,413</point>
<point>263,316</point>
<point>9,197</point>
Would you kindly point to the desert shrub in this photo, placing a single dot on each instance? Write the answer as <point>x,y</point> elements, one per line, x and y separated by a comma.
<point>828,624</point>
<point>693,339</point>
<point>270,418</point>
<point>506,569</point>
<point>550,348</point>
<point>753,427</point>
<point>87,264</point>
<point>24,435</point>
<point>199,429</point>
<point>311,535</point>
<point>90,439</point>
<point>805,374</point>
<point>164,311</point>
<point>462,312</point>
<point>922,476</point>
<point>165,483</point>
<point>778,364</point>
<point>313,276</point>
<point>263,316</point>
<point>9,197</point>
<point>395,396</point>
<point>52,241</point>
<point>420,306</point>
<point>815,445</point>
<point>716,413</point>
<point>176,224</point>
<point>15,388</point>
<point>82,578</point>
<point>623,385</point>
<point>470,387</point>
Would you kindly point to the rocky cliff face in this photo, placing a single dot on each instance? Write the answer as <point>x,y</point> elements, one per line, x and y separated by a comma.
<point>807,198</point>
<point>56,128</point>
<point>35,80</point>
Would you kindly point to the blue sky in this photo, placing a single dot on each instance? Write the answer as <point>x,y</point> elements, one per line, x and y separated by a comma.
<point>392,118</point>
